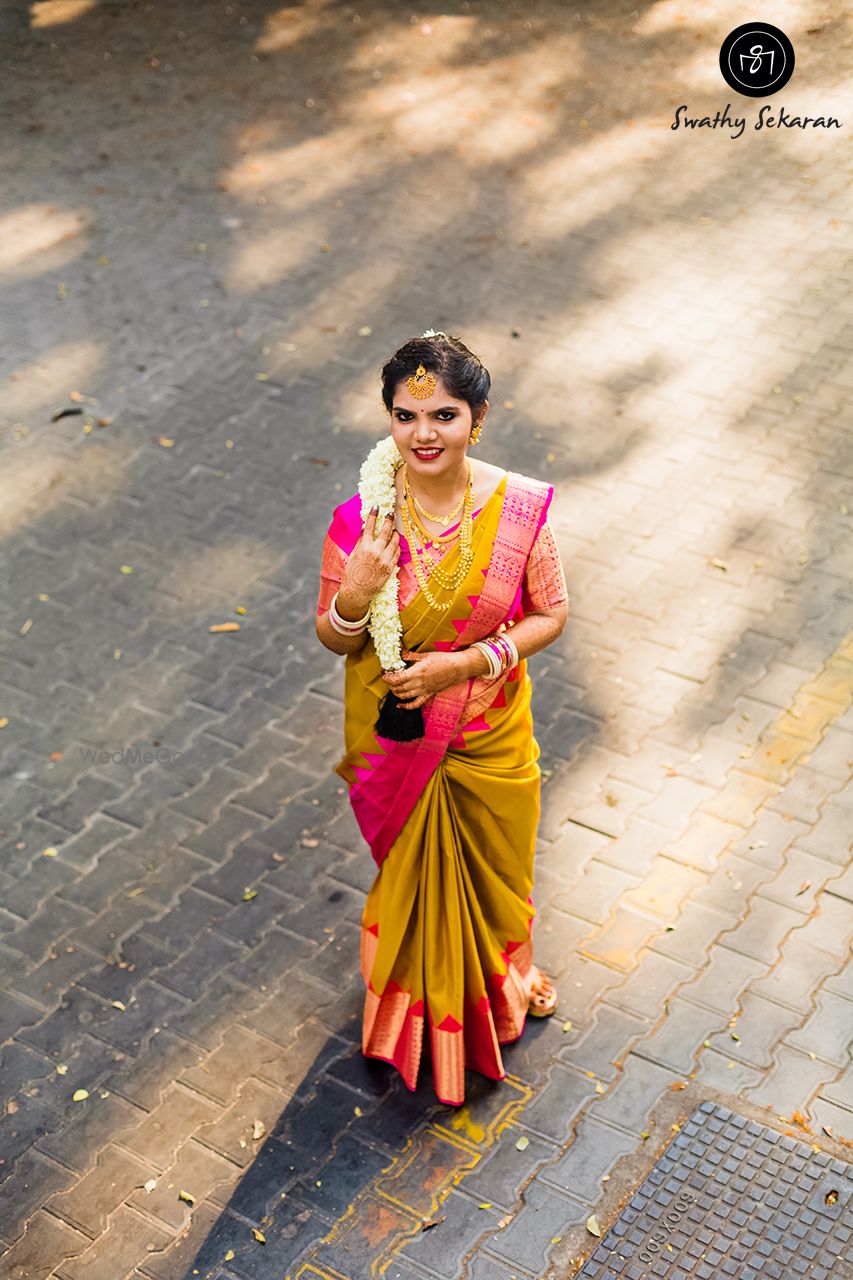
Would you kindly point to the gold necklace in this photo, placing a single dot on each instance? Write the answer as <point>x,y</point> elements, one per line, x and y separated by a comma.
<point>414,505</point>
<point>444,580</point>
<point>450,515</point>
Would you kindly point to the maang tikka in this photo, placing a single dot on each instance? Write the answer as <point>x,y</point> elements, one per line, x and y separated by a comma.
<point>421,384</point>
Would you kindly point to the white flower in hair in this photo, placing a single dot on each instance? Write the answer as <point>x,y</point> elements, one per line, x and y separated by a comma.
<point>377,489</point>
<point>434,333</point>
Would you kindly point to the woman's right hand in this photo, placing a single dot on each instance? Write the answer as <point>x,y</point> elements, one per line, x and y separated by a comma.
<point>371,561</point>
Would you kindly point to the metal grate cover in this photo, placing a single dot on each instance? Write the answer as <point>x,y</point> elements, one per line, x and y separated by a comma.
<point>732,1200</point>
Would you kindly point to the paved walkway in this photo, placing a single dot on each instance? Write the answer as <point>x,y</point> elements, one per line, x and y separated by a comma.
<point>218,221</point>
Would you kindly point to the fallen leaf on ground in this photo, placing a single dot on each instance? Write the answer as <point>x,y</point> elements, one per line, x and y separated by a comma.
<point>522,1144</point>
<point>249,894</point>
<point>185,1195</point>
<point>224,626</point>
<point>432,1222</point>
<point>259,1235</point>
<point>149,1185</point>
<point>678,1086</point>
<point>807,884</point>
<point>258,1129</point>
<point>79,1094</point>
<point>592,1226</point>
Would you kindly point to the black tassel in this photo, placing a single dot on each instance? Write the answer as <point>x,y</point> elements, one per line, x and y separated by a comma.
<point>397,722</point>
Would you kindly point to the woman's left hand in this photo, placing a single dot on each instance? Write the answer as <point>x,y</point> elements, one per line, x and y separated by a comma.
<point>431,673</point>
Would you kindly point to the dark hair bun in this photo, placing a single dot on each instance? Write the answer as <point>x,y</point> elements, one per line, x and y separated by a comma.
<point>463,374</point>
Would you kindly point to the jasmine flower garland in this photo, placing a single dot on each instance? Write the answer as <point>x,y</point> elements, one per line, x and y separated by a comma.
<point>377,489</point>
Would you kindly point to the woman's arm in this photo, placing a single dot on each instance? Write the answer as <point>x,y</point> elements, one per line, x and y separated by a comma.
<point>545,604</point>
<point>348,607</point>
<point>534,632</point>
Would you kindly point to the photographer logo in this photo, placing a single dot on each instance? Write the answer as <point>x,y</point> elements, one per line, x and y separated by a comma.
<point>757,59</point>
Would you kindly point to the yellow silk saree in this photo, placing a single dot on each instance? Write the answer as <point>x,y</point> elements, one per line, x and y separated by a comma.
<point>450,818</point>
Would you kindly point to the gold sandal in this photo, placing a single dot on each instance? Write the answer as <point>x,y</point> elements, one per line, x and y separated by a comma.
<point>542,996</point>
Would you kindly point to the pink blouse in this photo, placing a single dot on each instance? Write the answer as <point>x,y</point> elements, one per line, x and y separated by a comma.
<point>543,587</point>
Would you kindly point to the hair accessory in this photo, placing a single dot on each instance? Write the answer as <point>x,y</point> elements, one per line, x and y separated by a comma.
<point>421,384</point>
<point>433,333</point>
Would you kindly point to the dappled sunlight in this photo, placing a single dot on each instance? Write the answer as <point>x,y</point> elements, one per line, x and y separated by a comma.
<point>491,114</point>
<point>53,13</point>
<point>36,480</point>
<point>219,577</point>
<point>301,176</point>
<point>716,17</point>
<point>271,255</point>
<point>581,182</point>
<point>807,146</point>
<point>39,237</point>
<point>290,26</point>
<point>44,382</point>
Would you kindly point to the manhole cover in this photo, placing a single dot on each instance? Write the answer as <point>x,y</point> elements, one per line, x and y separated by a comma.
<point>731,1198</point>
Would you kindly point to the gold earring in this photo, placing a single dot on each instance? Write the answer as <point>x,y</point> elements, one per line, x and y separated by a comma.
<point>478,427</point>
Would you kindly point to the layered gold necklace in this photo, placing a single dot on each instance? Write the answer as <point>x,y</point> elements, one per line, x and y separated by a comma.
<point>420,540</point>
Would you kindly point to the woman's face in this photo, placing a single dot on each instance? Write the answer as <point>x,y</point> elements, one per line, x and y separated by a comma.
<point>422,426</point>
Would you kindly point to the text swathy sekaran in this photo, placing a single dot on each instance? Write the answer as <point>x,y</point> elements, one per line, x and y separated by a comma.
<point>768,118</point>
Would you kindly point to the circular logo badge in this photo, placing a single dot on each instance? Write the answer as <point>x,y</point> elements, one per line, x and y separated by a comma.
<point>757,59</point>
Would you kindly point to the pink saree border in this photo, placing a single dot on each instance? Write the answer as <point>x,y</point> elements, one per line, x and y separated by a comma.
<point>383,800</point>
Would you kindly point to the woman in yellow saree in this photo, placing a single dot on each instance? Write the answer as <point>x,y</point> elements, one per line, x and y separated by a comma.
<point>451,814</point>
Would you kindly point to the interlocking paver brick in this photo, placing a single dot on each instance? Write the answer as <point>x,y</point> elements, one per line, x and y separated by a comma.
<point>600,1045</point>
<point>622,939</point>
<point>647,989</point>
<point>588,1159</point>
<point>792,1083</point>
<point>830,928</point>
<point>47,983</point>
<point>828,1032</point>
<point>156,1137</point>
<point>127,1242</point>
<point>677,1040</point>
<point>763,930</point>
<point>628,1103</point>
<point>50,924</point>
<point>88,1204</point>
<point>231,1132</point>
<point>197,1171</point>
<point>538,1227</point>
<point>33,1180</point>
<point>594,896</point>
<point>90,1125</point>
<point>556,1106</point>
<point>702,844</point>
<point>45,1242</point>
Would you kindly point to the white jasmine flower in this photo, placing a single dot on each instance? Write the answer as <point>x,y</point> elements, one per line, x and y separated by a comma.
<point>377,489</point>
